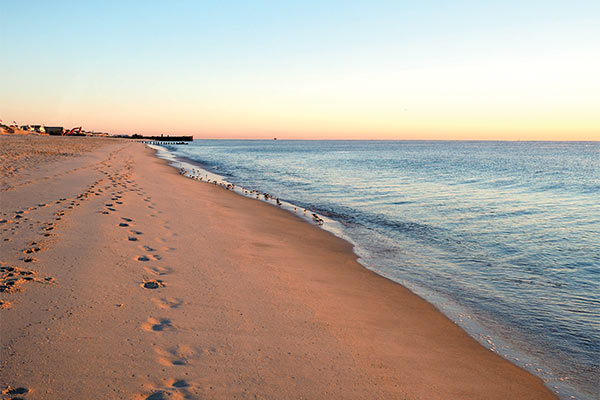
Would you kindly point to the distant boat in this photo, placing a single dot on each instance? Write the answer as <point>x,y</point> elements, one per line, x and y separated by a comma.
<point>274,138</point>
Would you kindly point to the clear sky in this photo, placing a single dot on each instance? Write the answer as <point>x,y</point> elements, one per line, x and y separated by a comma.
<point>307,69</point>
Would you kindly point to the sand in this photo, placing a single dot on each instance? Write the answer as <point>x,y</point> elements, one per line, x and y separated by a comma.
<point>148,285</point>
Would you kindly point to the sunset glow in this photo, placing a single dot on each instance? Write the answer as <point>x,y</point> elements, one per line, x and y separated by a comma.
<point>345,70</point>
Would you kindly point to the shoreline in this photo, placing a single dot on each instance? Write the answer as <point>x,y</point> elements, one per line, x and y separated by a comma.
<point>472,328</point>
<point>180,163</point>
<point>452,310</point>
<point>162,287</point>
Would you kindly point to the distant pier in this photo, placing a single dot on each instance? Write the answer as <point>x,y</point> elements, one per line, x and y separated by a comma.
<point>162,139</point>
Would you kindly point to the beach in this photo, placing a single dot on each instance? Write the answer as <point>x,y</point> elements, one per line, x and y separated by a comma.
<point>130,281</point>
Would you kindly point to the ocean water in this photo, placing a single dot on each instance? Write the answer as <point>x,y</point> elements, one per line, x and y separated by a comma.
<point>503,237</point>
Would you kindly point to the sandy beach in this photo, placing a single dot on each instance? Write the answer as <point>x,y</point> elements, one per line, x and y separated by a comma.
<point>121,279</point>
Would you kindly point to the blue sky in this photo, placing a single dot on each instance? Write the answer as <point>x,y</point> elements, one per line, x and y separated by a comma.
<point>372,69</point>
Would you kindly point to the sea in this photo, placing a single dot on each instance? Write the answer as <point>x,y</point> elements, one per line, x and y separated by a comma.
<point>502,237</point>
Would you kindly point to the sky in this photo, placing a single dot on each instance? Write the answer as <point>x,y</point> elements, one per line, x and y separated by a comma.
<point>482,70</point>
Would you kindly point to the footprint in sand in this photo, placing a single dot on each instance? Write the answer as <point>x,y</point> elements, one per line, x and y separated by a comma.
<point>159,396</point>
<point>126,219</point>
<point>136,232</point>
<point>168,303</point>
<point>180,383</point>
<point>123,224</point>
<point>174,388</point>
<point>11,278</point>
<point>178,355</point>
<point>152,284</point>
<point>132,238</point>
<point>19,390</point>
<point>34,248</point>
<point>143,258</point>
<point>158,270</point>
<point>157,325</point>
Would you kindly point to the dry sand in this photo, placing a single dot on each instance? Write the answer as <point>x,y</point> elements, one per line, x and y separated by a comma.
<point>148,285</point>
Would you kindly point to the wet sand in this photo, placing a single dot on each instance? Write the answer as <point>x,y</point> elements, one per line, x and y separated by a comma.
<point>148,285</point>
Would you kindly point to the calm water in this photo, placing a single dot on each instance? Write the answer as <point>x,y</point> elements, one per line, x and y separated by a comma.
<point>504,237</point>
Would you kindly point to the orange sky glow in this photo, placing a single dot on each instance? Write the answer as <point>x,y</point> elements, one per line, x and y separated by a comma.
<point>393,70</point>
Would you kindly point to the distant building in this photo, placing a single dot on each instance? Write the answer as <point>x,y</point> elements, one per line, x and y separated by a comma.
<point>38,128</point>
<point>54,130</point>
